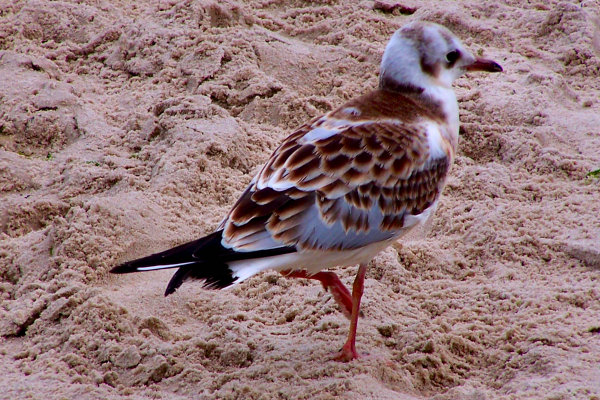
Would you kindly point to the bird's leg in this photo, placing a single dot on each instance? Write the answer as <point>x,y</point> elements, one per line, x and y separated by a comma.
<point>331,282</point>
<point>348,351</point>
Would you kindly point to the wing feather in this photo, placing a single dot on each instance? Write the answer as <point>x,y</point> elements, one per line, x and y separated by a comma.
<point>338,185</point>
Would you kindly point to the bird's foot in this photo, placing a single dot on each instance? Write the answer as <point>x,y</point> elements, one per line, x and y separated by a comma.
<point>346,354</point>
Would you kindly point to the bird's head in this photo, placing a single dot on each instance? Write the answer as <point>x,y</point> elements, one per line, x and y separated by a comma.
<point>423,54</point>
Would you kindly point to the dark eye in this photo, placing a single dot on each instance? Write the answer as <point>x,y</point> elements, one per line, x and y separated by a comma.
<point>452,57</point>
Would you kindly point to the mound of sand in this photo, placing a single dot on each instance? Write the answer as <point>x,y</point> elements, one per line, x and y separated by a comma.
<point>128,127</point>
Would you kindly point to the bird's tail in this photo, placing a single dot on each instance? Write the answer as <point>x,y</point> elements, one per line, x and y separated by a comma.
<point>204,259</point>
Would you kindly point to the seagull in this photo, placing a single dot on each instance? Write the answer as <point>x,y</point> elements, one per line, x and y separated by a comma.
<point>345,185</point>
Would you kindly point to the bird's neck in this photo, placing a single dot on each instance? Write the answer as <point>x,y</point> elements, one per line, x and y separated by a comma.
<point>445,98</point>
<point>437,99</point>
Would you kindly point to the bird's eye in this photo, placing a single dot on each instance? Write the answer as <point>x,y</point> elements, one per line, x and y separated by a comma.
<point>452,56</point>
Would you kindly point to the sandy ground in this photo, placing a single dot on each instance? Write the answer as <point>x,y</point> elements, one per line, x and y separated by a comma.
<point>127,127</point>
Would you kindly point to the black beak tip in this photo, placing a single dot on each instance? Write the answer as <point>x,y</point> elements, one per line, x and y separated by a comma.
<point>496,67</point>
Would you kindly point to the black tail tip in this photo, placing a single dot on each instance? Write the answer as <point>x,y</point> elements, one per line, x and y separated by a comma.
<point>123,269</point>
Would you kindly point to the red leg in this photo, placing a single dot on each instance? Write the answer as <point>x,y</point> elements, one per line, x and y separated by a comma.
<point>348,351</point>
<point>331,282</point>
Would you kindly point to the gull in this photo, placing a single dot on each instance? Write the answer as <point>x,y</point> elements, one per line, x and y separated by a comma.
<point>345,185</point>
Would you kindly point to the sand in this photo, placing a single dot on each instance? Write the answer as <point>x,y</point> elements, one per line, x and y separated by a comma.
<point>127,127</point>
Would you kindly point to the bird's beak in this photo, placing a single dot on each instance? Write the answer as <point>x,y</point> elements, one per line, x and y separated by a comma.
<point>482,64</point>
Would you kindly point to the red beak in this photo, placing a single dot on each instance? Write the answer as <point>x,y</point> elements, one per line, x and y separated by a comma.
<point>482,64</point>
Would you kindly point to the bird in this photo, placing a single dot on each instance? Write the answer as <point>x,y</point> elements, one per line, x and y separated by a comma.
<point>345,185</point>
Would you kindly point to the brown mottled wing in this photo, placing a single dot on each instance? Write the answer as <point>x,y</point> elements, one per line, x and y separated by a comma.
<point>338,185</point>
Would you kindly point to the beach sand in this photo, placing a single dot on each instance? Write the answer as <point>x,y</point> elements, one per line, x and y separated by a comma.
<point>128,127</point>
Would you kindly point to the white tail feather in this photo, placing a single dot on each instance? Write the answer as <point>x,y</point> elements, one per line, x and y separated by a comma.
<point>157,267</point>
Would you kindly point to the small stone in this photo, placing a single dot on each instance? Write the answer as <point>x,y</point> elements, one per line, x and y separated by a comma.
<point>385,330</point>
<point>128,358</point>
<point>111,378</point>
<point>584,250</point>
<point>159,372</point>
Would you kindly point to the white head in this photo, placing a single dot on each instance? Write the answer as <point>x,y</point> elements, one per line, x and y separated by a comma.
<point>422,54</point>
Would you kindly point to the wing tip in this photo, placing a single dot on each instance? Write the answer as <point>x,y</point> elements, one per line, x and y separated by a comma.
<point>218,277</point>
<point>169,290</point>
